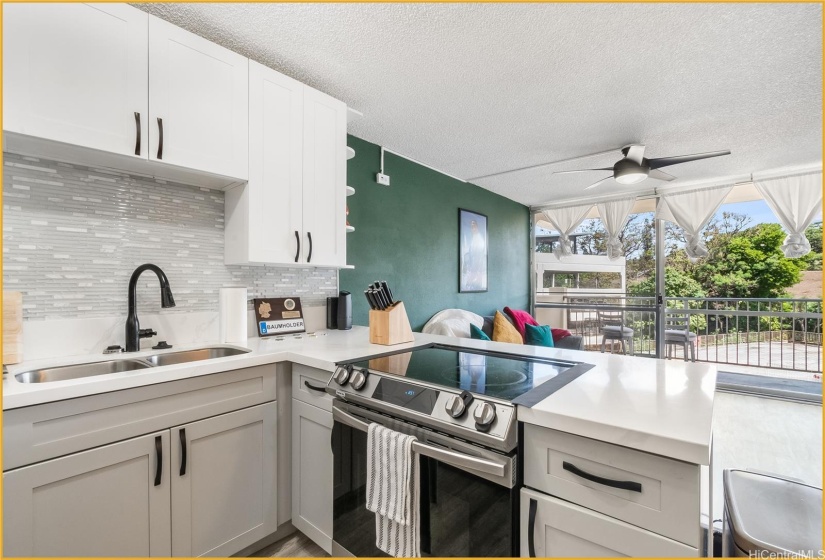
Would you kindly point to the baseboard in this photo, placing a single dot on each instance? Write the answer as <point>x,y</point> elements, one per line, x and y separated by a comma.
<point>283,531</point>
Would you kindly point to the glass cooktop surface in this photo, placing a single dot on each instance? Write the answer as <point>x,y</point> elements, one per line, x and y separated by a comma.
<point>500,376</point>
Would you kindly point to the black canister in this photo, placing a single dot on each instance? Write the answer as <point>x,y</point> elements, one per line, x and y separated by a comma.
<point>332,312</point>
<point>344,311</point>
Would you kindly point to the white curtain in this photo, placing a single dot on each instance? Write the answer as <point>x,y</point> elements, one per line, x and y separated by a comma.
<point>614,215</point>
<point>565,221</point>
<point>691,211</point>
<point>796,201</point>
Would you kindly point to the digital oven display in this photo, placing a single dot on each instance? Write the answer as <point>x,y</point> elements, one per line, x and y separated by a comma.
<point>419,399</point>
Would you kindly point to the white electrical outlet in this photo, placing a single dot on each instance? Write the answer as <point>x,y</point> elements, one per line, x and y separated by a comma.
<point>382,179</point>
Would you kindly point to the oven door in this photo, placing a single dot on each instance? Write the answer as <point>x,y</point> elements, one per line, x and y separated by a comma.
<point>468,496</point>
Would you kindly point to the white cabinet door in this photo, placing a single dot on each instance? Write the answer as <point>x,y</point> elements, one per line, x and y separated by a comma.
<point>77,73</point>
<point>312,472</point>
<point>275,166</point>
<point>561,529</point>
<point>108,501</point>
<point>198,97</point>
<point>224,482</point>
<point>325,177</point>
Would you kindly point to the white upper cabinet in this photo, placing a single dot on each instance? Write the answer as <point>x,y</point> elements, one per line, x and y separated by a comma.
<point>273,197</point>
<point>293,209</point>
<point>325,178</point>
<point>198,102</point>
<point>78,74</point>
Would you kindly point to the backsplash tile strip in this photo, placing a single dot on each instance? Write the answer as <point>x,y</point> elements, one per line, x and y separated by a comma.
<point>72,235</point>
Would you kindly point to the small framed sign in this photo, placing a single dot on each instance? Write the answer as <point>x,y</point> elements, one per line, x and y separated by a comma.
<point>276,316</point>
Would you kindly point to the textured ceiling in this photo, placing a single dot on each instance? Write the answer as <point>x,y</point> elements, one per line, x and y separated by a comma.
<point>474,89</point>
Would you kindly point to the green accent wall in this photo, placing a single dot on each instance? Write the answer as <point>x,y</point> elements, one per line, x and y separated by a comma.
<point>407,234</point>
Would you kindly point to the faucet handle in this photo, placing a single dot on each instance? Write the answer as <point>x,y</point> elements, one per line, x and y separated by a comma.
<point>147,333</point>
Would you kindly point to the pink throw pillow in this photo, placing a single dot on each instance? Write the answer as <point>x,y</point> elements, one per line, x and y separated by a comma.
<point>520,318</point>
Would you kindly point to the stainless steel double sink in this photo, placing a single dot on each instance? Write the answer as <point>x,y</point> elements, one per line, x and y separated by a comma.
<point>77,371</point>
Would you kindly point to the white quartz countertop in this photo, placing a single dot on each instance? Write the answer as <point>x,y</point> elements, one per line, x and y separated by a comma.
<point>658,406</point>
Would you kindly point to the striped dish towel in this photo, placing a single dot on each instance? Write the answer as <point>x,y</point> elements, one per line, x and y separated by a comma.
<point>393,491</point>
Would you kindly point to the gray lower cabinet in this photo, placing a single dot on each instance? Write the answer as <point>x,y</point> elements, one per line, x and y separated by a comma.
<point>224,482</point>
<point>552,527</point>
<point>109,501</point>
<point>206,488</point>
<point>312,472</point>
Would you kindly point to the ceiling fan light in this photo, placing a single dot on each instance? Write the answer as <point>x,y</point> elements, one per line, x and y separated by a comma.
<point>631,178</point>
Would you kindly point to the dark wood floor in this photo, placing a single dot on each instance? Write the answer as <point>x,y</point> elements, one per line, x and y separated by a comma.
<point>296,545</point>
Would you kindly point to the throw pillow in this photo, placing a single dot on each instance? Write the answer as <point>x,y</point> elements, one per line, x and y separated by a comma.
<point>477,333</point>
<point>520,319</point>
<point>538,336</point>
<point>503,331</point>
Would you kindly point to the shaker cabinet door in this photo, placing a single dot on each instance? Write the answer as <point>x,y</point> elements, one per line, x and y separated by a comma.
<point>198,102</point>
<point>551,527</point>
<point>325,176</point>
<point>108,501</point>
<point>312,472</point>
<point>275,165</point>
<point>78,74</point>
<point>224,482</point>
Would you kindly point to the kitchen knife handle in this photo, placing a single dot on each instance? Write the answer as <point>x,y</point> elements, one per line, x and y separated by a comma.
<point>158,460</point>
<point>309,256</point>
<point>387,291</point>
<point>369,301</point>
<point>298,242</point>
<point>182,434</point>
<point>137,135</point>
<point>160,138</point>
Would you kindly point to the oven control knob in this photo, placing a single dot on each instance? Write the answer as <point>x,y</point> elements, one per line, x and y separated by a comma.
<point>341,375</point>
<point>457,404</point>
<point>358,379</point>
<point>484,414</point>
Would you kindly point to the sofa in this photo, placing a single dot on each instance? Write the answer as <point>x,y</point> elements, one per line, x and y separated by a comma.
<point>456,323</point>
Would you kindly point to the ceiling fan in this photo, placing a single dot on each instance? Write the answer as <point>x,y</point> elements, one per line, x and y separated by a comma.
<point>634,167</point>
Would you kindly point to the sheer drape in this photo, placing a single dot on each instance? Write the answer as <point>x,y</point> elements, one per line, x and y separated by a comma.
<point>691,211</point>
<point>565,221</point>
<point>796,201</point>
<point>614,215</point>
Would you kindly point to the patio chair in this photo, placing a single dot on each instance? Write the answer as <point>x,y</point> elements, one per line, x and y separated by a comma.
<point>677,333</point>
<point>613,329</point>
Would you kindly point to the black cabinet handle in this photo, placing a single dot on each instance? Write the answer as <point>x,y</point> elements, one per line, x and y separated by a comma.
<point>531,529</point>
<point>182,434</point>
<point>309,256</point>
<point>314,388</point>
<point>160,138</point>
<point>298,242</point>
<point>622,484</point>
<point>158,460</point>
<point>137,138</point>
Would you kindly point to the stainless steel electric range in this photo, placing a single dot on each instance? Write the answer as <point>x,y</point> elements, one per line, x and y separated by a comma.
<point>460,404</point>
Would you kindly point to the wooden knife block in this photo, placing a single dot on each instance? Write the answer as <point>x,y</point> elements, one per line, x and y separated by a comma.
<point>390,326</point>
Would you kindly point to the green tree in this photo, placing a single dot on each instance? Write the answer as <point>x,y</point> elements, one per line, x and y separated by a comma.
<point>677,284</point>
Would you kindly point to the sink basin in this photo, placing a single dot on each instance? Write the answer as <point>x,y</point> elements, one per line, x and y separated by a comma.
<point>79,370</point>
<point>193,355</point>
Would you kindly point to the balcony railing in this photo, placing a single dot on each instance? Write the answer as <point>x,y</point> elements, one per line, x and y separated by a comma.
<point>770,336</point>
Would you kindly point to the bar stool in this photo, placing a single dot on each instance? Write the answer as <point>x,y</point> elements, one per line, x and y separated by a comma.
<point>613,329</point>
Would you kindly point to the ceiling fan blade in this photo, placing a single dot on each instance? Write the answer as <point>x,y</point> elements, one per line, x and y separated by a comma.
<point>661,175</point>
<point>597,183</point>
<point>582,170</point>
<point>635,152</point>
<point>656,163</point>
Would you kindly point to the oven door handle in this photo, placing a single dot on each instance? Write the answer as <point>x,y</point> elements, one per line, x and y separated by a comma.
<point>444,455</point>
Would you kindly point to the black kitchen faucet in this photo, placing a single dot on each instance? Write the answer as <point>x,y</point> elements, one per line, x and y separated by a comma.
<point>133,331</point>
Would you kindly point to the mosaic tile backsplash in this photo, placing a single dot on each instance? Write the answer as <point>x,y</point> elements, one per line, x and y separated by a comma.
<point>72,236</point>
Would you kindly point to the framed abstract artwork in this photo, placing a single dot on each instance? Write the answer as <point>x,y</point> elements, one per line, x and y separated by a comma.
<point>472,251</point>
